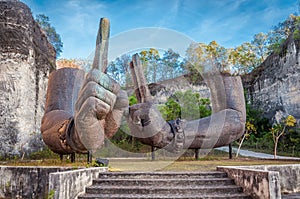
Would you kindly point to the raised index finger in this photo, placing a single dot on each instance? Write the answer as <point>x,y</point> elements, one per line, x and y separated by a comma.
<point>100,59</point>
<point>139,80</point>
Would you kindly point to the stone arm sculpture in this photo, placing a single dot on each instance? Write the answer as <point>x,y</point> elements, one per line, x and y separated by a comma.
<point>225,125</point>
<point>81,110</point>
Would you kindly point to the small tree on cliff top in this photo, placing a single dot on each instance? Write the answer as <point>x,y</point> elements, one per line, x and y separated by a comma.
<point>52,35</point>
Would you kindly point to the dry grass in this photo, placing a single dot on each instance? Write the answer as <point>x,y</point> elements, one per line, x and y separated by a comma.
<point>143,164</point>
<point>187,165</point>
<point>45,162</point>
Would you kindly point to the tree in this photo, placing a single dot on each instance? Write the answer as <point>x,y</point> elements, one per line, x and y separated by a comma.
<point>52,35</point>
<point>250,128</point>
<point>194,57</point>
<point>217,56</point>
<point>156,68</point>
<point>279,129</point>
<point>282,31</point>
<point>170,110</point>
<point>294,141</point>
<point>171,66</point>
<point>210,56</point>
<point>150,61</point>
<point>132,100</point>
<point>260,46</point>
<point>187,105</point>
<point>119,70</point>
<point>243,58</point>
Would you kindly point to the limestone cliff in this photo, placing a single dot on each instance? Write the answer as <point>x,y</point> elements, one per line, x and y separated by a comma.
<point>275,85</point>
<point>26,58</point>
<point>164,89</point>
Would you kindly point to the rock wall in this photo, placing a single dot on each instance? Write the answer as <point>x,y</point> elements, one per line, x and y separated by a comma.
<point>275,85</point>
<point>26,58</point>
<point>164,89</point>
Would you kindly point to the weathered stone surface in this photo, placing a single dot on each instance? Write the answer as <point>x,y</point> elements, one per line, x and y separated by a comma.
<point>266,181</point>
<point>158,185</point>
<point>69,184</point>
<point>26,182</point>
<point>258,183</point>
<point>275,85</point>
<point>289,176</point>
<point>26,58</point>
<point>164,89</point>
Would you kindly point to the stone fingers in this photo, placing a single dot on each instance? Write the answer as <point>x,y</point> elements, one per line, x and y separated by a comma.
<point>100,59</point>
<point>94,90</point>
<point>103,80</point>
<point>122,100</point>
<point>140,84</point>
<point>92,108</point>
<point>89,122</point>
<point>145,120</point>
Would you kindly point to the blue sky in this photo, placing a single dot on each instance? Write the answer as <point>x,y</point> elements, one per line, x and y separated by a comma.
<point>229,22</point>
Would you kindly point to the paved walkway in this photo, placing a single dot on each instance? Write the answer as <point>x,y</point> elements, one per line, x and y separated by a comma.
<point>247,153</point>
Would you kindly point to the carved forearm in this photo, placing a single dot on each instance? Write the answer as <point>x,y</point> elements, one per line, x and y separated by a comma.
<point>57,124</point>
<point>227,123</point>
<point>220,129</point>
<point>59,134</point>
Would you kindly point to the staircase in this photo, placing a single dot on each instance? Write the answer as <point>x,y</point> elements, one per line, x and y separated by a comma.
<point>121,185</point>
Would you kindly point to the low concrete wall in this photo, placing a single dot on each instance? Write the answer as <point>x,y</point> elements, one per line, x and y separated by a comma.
<point>25,181</point>
<point>260,179</point>
<point>70,184</point>
<point>289,176</point>
<point>257,183</point>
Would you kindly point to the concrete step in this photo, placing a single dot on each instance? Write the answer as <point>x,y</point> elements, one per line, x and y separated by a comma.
<point>163,175</point>
<point>156,196</point>
<point>163,182</point>
<point>94,189</point>
<point>156,185</point>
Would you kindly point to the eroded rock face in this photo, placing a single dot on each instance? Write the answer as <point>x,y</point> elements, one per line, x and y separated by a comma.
<point>164,89</point>
<point>275,85</point>
<point>26,58</point>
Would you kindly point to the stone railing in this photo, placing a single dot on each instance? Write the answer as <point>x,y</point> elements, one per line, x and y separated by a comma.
<point>45,182</point>
<point>265,181</point>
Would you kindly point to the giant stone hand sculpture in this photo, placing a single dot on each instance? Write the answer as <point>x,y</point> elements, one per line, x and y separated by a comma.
<point>82,109</point>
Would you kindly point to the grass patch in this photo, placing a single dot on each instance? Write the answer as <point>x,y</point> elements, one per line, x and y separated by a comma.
<point>44,162</point>
<point>163,163</point>
<point>142,164</point>
<point>188,165</point>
